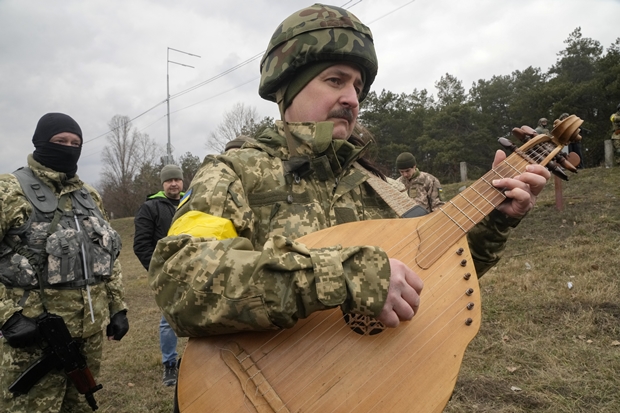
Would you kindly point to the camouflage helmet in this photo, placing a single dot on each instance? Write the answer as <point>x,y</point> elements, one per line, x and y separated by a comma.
<point>541,120</point>
<point>316,34</point>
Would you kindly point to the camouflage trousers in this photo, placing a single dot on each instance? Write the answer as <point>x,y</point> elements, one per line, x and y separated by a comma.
<point>54,393</point>
<point>615,141</point>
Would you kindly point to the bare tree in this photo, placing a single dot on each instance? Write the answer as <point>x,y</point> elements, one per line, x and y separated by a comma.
<point>240,120</point>
<point>127,151</point>
<point>127,154</point>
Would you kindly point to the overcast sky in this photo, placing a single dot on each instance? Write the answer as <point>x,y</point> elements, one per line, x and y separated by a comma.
<point>98,58</point>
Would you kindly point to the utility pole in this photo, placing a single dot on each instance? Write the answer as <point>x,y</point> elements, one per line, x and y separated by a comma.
<point>169,159</point>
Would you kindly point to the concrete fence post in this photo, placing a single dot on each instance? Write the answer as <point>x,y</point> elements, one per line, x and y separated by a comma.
<point>609,154</point>
<point>463,171</point>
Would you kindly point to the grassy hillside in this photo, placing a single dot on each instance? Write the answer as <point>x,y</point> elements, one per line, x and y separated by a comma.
<point>543,347</point>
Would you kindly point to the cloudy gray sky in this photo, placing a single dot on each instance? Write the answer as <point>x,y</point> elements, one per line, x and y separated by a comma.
<point>98,58</point>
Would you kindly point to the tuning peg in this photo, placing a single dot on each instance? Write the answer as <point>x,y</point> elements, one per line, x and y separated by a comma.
<point>566,164</point>
<point>573,158</point>
<point>568,161</point>
<point>520,134</point>
<point>557,170</point>
<point>530,131</point>
<point>506,143</point>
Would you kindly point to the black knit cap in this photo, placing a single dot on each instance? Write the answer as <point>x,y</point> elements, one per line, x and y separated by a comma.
<point>52,124</point>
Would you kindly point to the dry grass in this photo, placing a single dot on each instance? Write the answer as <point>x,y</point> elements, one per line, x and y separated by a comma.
<point>558,345</point>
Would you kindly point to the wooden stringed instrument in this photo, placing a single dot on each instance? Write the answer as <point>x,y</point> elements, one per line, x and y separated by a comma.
<point>334,363</point>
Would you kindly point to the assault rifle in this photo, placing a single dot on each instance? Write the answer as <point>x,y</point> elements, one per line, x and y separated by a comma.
<point>62,352</point>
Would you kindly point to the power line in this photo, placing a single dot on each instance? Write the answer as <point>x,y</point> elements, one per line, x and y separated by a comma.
<point>146,127</point>
<point>130,120</point>
<point>192,88</point>
<point>228,71</point>
<point>343,6</point>
<point>387,14</point>
<point>219,94</point>
<point>206,82</point>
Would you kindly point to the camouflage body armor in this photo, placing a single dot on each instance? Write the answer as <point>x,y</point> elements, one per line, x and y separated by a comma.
<point>80,249</point>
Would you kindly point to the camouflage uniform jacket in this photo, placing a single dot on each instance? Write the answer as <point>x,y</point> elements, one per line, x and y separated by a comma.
<point>71,304</point>
<point>615,135</point>
<point>424,189</point>
<point>209,280</point>
<point>615,120</point>
<point>615,142</point>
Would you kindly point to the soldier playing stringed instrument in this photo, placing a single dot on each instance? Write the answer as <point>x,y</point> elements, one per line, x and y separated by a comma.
<point>231,261</point>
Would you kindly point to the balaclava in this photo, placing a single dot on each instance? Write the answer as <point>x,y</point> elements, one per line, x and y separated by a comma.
<point>58,157</point>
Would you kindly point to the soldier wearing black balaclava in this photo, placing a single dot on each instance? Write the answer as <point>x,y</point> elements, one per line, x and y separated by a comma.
<point>62,263</point>
<point>60,158</point>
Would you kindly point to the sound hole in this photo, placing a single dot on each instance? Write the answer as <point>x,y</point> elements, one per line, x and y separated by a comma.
<point>364,325</point>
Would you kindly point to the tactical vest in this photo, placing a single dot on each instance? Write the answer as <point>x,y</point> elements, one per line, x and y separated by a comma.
<point>80,250</point>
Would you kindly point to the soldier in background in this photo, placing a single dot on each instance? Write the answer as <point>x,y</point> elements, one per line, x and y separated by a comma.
<point>422,187</point>
<point>231,261</point>
<point>615,136</point>
<point>542,126</point>
<point>40,272</point>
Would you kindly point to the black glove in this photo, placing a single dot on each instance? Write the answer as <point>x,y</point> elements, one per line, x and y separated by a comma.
<point>20,331</point>
<point>119,325</point>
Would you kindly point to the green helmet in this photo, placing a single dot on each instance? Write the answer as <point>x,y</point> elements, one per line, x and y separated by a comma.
<point>316,34</point>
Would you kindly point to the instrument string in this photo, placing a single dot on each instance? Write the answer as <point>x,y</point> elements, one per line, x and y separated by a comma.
<point>438,233</point>
<point>407,345</point>
<point>413,354</point>
<point>484,191</point>
<point>490,196</point>
<point>344,367</point>
<point>538,154</point>
<point>339,326</point>
<point>381,338</point>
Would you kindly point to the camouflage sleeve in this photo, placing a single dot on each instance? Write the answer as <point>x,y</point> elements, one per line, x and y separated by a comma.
<point>114,286</point>
<point>116,290</point>
<point>434,194</point>
<point>487,240</point>
<point>13,213</point>
<point>208,285</point>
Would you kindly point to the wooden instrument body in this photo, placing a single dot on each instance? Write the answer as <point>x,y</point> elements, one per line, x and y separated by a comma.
<point>322,365</point>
